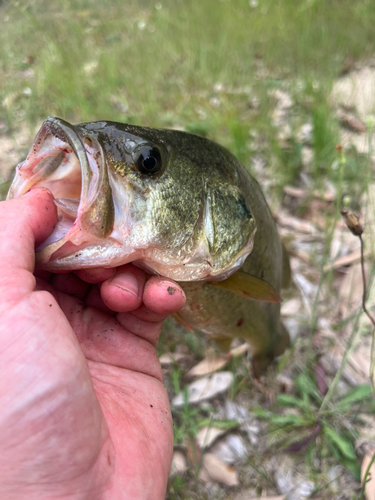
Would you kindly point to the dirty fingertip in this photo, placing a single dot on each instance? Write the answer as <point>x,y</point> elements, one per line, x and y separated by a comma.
<point>163,297</point>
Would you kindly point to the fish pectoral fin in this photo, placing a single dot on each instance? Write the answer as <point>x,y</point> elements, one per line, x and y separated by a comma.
<point>248,286</point>
<point>223,343</point>
<point>177,316</point>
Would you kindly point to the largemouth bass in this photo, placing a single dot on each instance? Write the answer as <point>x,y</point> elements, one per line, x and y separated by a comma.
<point>179,206</point>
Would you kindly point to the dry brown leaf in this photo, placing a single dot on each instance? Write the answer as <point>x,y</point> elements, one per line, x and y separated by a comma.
<point>239,351</point>
<point>304,193</point>
<point>207,435</point>
<point>343,261</point>
<point>286,383</point>
<point>291,307</point>
<point>193,451</point>
<point>214,470</point>
<point>205,388</point>
<point>370,484</point>
<point>169,358</point>
<point>351,290</point>
<point>179,463</point>
<point>208,365</point>
<point>297,224</point>
<point>214,363</point>
<point>352,123</point>
<point>295,192</point>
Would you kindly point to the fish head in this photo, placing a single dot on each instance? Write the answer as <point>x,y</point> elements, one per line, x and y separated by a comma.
<point>170,202</point>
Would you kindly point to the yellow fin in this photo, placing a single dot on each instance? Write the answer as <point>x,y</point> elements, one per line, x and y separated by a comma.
<point>223,343</point>
<point>248,286</point>
<point>177,316</point>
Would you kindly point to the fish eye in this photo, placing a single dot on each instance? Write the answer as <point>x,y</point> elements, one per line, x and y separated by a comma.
<point>149,160</point>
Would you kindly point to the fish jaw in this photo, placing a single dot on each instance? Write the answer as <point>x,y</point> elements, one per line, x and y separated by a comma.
<point>73,168</point>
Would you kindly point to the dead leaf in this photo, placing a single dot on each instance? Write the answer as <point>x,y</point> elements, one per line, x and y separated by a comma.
<point>295,192</point>
<point>214,363</point>
<point>343,261</point>
<point>206,388</point>
<point>351,290</point>
<point>286,384</point>
<point>208,365</point>
<point>179,463</point>
<point>239,351</point>
<point>370,484</point>
<point>207,435</point>
<point>169,358</point>
<point>214,470</point>
<point>291,307</point>
<point>305,193</point>
<point>296,224</point>
<point>349,121</point>
<point>193,451</point>
<point>231,448</point>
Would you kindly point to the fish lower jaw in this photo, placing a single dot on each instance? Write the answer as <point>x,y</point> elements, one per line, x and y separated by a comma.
<point>69,257</point>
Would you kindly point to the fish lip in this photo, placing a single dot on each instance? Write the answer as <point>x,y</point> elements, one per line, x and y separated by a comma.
<point>66,133</point>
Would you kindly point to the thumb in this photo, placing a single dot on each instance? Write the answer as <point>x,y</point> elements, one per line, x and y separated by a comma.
<point>24,223</point>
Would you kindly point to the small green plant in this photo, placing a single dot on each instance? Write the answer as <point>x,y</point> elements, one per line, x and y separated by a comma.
<point>297,428</point>
<point>185,421</point>
<point>176,487</point>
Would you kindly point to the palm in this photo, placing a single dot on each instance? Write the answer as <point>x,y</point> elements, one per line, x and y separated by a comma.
<point>82,390</point>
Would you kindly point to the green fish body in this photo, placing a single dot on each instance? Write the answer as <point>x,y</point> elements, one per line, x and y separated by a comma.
<point>173,203</point>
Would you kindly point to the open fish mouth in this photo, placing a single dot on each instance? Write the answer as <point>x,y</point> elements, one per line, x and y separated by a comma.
<point>72,166</point>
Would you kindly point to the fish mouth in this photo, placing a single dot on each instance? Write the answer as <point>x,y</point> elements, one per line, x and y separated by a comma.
<point>72,166</point>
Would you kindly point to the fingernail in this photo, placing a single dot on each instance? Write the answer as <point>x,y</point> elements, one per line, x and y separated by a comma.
<point>127,282</point>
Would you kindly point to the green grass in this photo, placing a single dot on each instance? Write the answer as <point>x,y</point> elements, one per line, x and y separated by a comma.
<point>210,67</point>
<point>193,64</point>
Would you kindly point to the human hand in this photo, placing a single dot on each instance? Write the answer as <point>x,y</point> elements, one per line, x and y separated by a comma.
<point>84,413</point>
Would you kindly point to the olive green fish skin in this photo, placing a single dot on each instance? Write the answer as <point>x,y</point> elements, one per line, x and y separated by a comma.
<point>219,313</point>
<point>197,176</point>
<point>224,315</point>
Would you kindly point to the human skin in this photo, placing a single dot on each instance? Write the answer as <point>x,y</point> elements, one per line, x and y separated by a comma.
<point>84,412</point>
